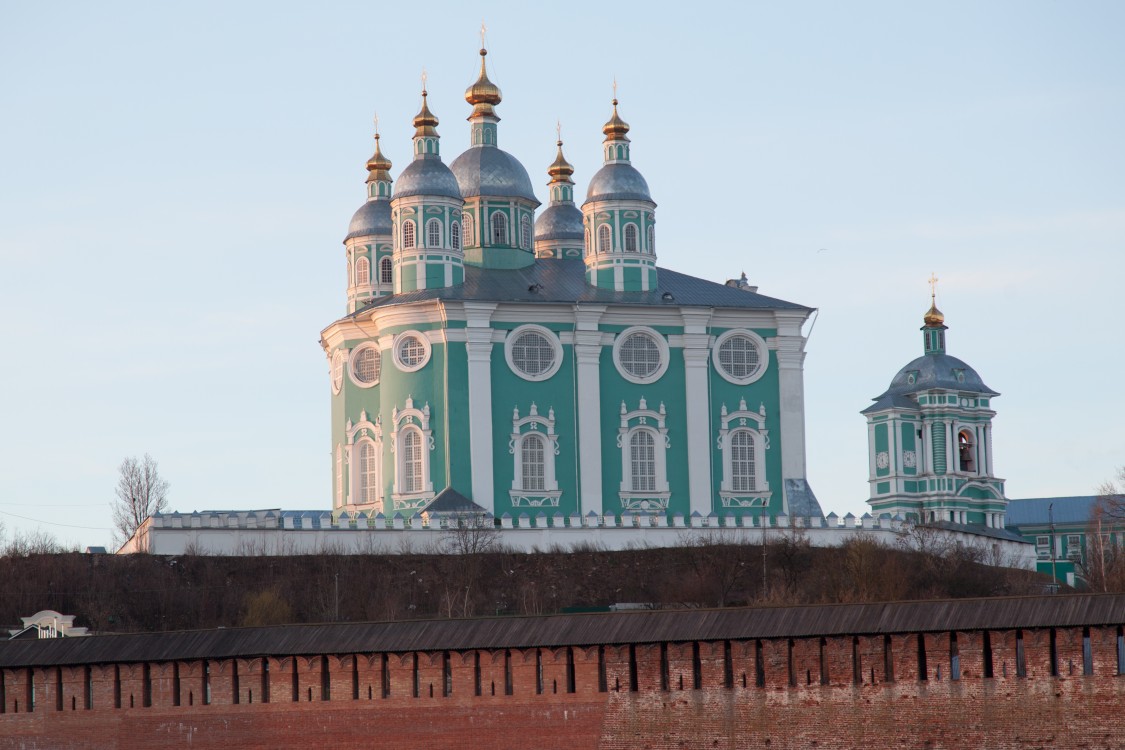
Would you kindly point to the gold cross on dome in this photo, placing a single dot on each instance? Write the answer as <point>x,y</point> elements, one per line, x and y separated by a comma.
<point>558,130</point>
<point>615,88</point>
<point>376,124</point>
<point>423,80</point>
<point>483,29</point>
<point>933,286</point>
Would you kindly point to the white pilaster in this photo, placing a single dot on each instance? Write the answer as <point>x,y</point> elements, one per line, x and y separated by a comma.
<point>791,389</point>
<point>587,356</point>
<point>697,352</point>
<point>478,345</point>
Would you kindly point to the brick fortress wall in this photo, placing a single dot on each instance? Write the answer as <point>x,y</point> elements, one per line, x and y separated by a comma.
<point>1053,687</point>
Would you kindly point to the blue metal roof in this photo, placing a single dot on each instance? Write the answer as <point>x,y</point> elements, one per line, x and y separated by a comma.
<point>554,281</point>
<point>1037,511</point>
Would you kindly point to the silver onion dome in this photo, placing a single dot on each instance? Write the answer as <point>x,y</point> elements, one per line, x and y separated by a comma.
<point>618,181</point>
<point>426,177</point>
<point>488,171</point>
<point>373,219</point>
<point>562,221</point>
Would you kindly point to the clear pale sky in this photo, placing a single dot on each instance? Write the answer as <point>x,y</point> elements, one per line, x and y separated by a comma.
<point>176,181</point>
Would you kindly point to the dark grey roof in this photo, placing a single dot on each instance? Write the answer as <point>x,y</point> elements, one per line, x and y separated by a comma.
<point>979,530</point>
<point>802,499</point>
<point>450,500</point>
<point>934,370</point>
<point>1038,510</point>
<point>426,176</point>
<point>564,281</point>
<point>486,170</point>
<point>619,181</point>
<point>553,631</point>
<point>561,221</point>
<point>371,220</point>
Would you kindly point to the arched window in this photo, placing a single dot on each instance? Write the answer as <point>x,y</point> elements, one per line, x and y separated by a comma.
<point>362,271</point>
<point>433,233</point>
<point>410,462</point>
<point>642,461</point>
<point>467,220</point>
<point>368,481</point>
<point>630,238</point>
<point>407,234</point>
<point>651,239</point>
<point>499,228</point>
<point>351,273</point>
<point>386,271</point>
<point>603,239</point>
<point>455,236</point>
<point>533,463</point>
<point>339,476</point>
<point>587,241</point>
<point>966,451</point>
<point>742,462</point>
<point>525,233</point>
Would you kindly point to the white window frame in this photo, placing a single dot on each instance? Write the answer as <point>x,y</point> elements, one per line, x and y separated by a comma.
<point>355,353</point>
<point>498,225</point>
<point>552,338</point>
<point>661,345</point>
<point>400,339</point>
<point>605,239</point>
<point>455,235</point>
<point>467,225</point>
<point>651,249</point>
<point>523,428</point>
<point>375,493</point>
<point>630,237</point>
<point>525,232</point>
<point>654,422</point>
<point>339,475</point>
<point>362,277</point>
<point>433,227</point>
<point>409,224</point>
<point>763,356</point>
<point>364,431</point>
<point>743,419</point>
<point>386,270</point>
<point>405,420</point>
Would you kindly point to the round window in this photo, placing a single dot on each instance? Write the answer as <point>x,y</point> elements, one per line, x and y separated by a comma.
<point>412,351</point>
<point>641,355</point>
<point>337,371</point>
<point>533,352</point>
<point>740,356</point>
<point>366,365</point>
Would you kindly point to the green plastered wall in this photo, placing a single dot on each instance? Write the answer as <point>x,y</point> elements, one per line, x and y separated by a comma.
<point>458,458</point>
<point>908,440</point>
<point>557,392</point>
<point>881,445</point>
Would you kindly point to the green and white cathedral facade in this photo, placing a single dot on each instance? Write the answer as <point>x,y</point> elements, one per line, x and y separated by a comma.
<point>545,363</point>
<point>930,440</point>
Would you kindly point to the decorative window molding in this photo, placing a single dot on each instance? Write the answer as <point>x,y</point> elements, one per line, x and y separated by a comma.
<point>407,235</point>
<point>499,222</point>
<point>366,364</point>
<point>643,440</point>
<point>412,441</point>
<point>586,240</point>
<point>351,271</point>
<point>740,356</point>
<point>651,249</point>
<point>743,441</point>
<point>411,351</point>
<point>337,370</point>
<point>604,243</point>
<point>533,352</point>
<point>630,238</point>
<point>467,222</point>
<point>362,272</point>
<point>455,236</point>
<point>386,271</point>
<point>641,355</point>
<point>534,445</point>
<point>525,232</point>
<point>364,457</point>
<point>433,233</point>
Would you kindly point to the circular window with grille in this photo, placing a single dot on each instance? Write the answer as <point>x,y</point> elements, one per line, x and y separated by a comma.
<point>366,365</point>
<point>412,351</point>
<point>533,352</point>
<point>740,356</point>
<point>641,355</point>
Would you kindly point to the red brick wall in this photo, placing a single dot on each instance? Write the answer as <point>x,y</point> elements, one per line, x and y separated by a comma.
<point>1071,710</point>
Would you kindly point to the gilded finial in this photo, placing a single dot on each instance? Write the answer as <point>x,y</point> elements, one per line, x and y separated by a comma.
<point>425,123</point>
<point>933,316</point>
<point>560,169</point>
<point>616,128</point>
<point>483,94</point>
<point>378,166</point>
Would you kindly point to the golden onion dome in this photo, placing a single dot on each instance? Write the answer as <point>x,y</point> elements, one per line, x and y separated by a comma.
<point>933,316</point>
<point>483,94</point>
<point>616,128</point>
<point>378,165</point>
<point>425,122</point>
<point>560,168</point>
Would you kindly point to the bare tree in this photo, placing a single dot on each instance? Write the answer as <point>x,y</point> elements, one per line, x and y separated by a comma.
<point>1110,504</point>
<point>141,492</point>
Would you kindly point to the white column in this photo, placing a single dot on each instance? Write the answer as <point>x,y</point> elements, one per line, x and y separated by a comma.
<point>587,356</point>
<point>950,440</point>
<point>791,389</point>
<point>698,412</point>
<point>478,344</point>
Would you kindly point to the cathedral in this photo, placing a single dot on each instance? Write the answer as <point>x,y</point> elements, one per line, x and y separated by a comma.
<point>499,357</point>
